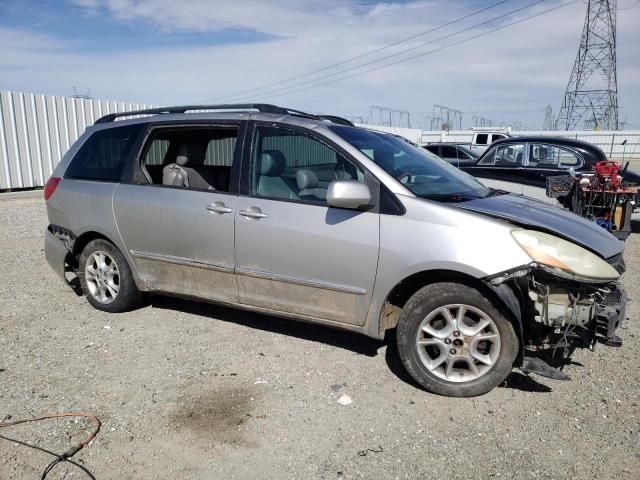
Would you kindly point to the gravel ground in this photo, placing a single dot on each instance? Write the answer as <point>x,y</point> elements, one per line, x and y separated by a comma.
<point>190,390</point>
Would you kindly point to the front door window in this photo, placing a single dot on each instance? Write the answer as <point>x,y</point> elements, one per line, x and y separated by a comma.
<point>290,165</point>
<point>510,155</point>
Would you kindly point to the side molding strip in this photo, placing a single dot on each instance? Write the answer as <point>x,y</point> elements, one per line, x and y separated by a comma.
<point>247,272</point>
<point>182,261</point>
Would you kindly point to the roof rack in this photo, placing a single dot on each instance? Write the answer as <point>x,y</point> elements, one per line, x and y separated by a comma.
<point>260,107</point>
<point>338,120</point>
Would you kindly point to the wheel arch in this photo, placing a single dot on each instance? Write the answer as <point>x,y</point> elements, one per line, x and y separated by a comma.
<point>502,296</point>
<point>82,240</point>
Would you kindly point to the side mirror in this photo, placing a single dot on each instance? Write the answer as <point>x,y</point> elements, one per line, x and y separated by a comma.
<point>348,194</point>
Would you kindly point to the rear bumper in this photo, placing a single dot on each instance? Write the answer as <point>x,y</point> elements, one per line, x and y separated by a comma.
<point>55,252</point>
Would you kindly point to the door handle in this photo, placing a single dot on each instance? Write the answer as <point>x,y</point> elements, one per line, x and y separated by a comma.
<point>218,207</point>
<point>253,212</point>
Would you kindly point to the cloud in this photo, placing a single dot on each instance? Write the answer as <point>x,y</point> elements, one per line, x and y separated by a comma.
<point>507,75</point>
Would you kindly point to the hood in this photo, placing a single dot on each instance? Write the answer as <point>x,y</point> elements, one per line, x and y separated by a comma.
<point>631,177</point>
<point>462,163</point>
<point>530,213</point>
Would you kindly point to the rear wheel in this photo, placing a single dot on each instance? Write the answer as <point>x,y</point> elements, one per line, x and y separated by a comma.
<point>106,278</point>
<point>454,342</point>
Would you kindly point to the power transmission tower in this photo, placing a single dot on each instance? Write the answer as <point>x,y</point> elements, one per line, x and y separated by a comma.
<point>389,117</point>
<point>83,96</point>
<point>549,120</point>
<point>592,92</point>
<point>380,116</point>
<point>356,119</point>
<point>446,118</point>
<point>482,121</point>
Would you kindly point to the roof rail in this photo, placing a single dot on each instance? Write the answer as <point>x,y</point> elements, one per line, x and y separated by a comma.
<point>338,120</point>
<point>261,107</point>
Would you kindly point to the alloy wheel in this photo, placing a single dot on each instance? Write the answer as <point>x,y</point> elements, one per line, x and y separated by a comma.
<point>102,277</point>
<point>458,343</point>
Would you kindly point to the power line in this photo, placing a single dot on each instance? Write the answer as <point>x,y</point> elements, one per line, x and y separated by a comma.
<point>366,54</point>
<point>464,40</point>
<point>415,47</point>
<point>629,8</point>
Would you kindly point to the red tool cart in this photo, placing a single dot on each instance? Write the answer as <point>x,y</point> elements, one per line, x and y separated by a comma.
<point>599,195</point>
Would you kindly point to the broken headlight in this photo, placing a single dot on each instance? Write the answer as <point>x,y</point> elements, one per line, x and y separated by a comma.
<point>564,258</point>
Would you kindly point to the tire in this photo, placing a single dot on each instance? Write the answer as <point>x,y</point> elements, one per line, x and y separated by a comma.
<point>106,279</point>
<point>438,350</point>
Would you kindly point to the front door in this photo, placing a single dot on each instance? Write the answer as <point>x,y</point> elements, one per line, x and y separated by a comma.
<point>177,222</point>
<point>294,253</point>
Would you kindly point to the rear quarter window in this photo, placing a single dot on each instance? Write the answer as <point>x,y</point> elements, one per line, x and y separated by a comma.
<point>103,155</point>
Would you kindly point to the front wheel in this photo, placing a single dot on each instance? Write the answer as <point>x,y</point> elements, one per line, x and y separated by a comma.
<point>106,278</point>
<point>453,341</point>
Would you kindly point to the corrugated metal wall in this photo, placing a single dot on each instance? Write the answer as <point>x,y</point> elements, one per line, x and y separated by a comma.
<point>219,152</point>
<point>36,130</point>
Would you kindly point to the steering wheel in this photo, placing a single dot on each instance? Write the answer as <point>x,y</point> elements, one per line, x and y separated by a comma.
<point>405,175</point>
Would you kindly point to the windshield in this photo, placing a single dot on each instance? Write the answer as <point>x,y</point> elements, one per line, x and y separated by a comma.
<point>423,173</point>
<point>468,151</point>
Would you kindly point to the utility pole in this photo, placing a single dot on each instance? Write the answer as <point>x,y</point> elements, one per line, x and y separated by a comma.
<point>592,91</point>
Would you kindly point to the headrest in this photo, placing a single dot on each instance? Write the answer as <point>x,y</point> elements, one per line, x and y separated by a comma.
<point>272,163</point>
<point>190,155</point>
<point>306,179</point>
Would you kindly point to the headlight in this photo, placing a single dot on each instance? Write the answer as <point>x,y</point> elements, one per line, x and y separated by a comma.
<point>564,256</point>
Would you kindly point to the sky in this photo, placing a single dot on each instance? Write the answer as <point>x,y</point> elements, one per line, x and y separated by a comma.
<point>168,52</point>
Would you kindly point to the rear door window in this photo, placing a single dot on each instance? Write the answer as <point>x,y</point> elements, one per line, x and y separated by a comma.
<point>193,157</point>
<point>103,155</point>
<point>551,156</point>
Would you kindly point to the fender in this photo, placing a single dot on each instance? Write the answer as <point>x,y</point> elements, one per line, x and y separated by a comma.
<point>509,299</point>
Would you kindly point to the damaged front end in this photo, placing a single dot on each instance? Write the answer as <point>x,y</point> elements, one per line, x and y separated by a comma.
<point>581,312</point>
<point>559,313</point>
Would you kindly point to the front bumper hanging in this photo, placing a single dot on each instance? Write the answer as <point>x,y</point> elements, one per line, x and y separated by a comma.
<point>611,315</point>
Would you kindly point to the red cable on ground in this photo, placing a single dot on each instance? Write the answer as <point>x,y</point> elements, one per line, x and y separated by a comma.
<point>65,457</point>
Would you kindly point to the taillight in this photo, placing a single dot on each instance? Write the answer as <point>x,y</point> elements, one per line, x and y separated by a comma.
<point>50,187</point>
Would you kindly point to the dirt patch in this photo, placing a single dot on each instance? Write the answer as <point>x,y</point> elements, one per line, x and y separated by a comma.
<point>216,416</point>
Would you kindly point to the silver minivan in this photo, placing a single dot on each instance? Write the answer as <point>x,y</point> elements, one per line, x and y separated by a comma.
<point>303,216</point>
